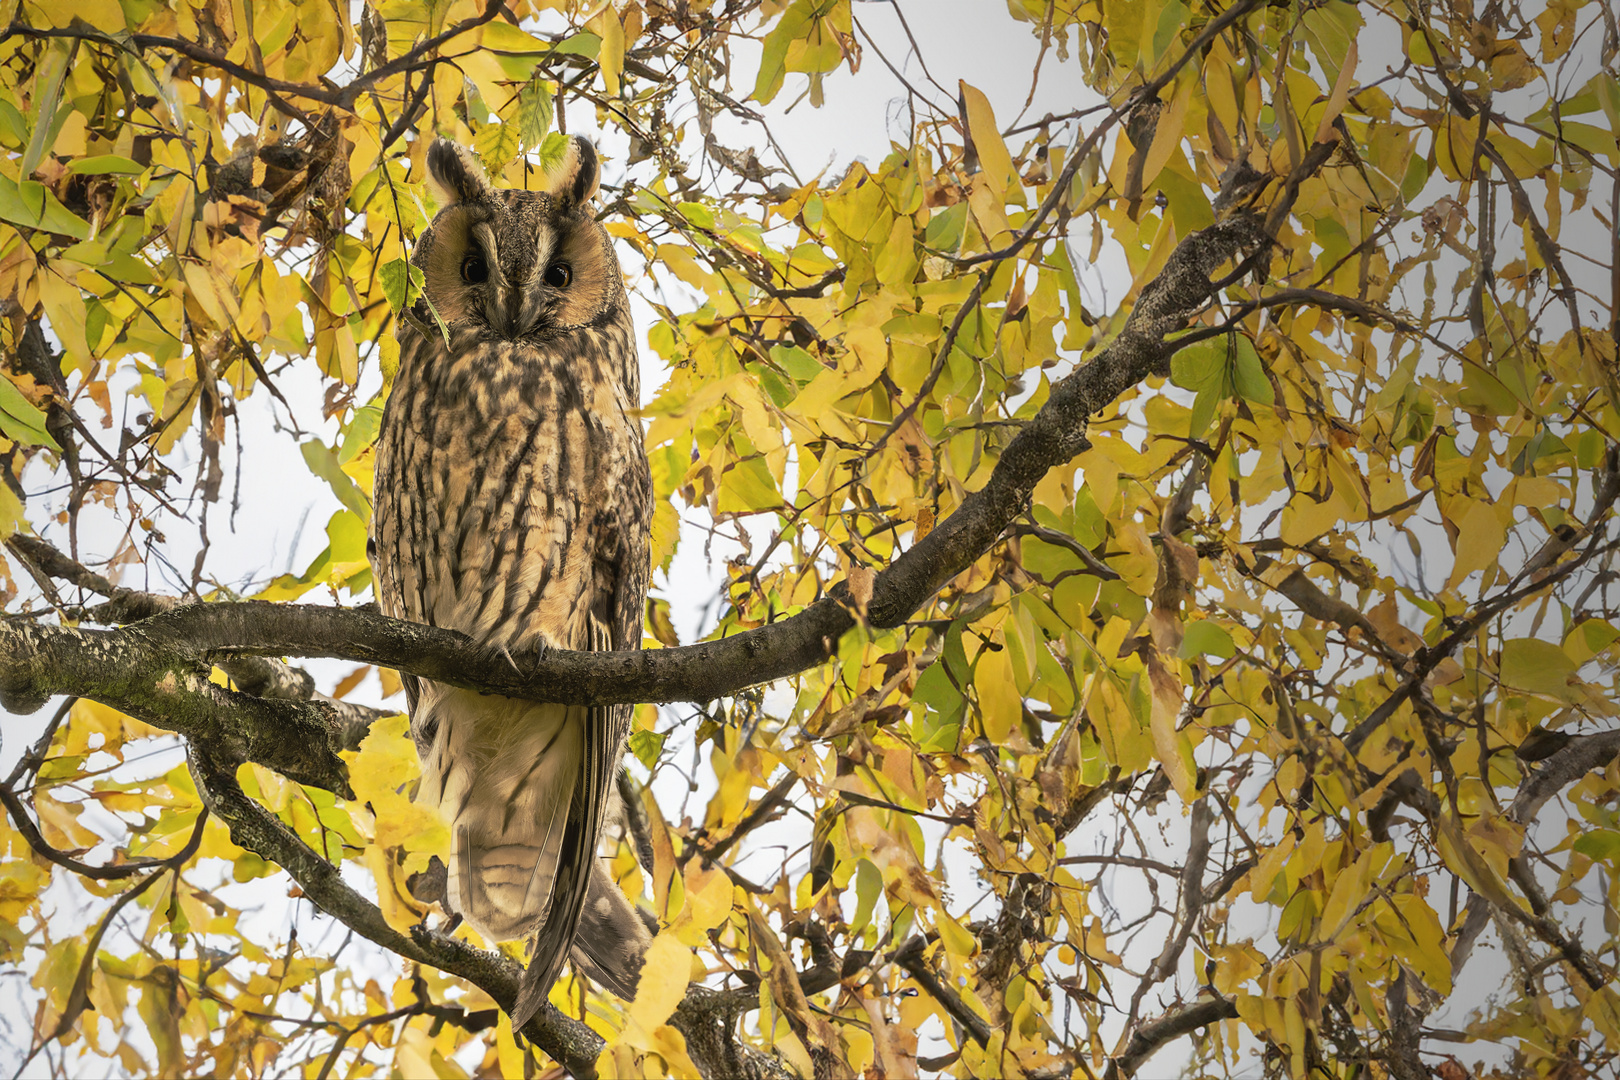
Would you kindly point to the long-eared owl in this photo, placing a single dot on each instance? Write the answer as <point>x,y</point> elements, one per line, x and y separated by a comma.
<point>512,504</point>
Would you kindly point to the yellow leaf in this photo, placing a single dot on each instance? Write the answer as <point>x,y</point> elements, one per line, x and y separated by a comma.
<point>611,56</point>
<point>1168,131</point>
<point>11,512</point>
<point>20,883</point>
<point>1340,95</point>
<point>897,262</point>
<point>385,763</point>
<point>664,976</point>
<point>1000,707</point>
<point>59,823</point>
<point>957,941</point>
<point>1138,565</point>
<point>1172,747</point>
<point>1123,741</point>
<point>1480,538</point>
<point>993,157</point>
<point>397,908</point>
<point>64,305</point>
<point>708,896</point>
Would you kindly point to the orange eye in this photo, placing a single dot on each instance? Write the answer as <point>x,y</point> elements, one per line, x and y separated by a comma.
<point>559,275</point>
<point>474,271</point>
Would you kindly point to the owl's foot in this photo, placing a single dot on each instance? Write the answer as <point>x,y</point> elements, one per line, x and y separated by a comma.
<point>536,655</point>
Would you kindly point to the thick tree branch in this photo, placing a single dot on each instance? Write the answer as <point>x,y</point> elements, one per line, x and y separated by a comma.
<point>164,684</point>
<point>156,670</point>
<point>257,675</point>
<point>1147,1038</point>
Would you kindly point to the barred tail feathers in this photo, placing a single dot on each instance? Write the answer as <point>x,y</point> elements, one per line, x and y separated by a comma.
<point>507,773</point>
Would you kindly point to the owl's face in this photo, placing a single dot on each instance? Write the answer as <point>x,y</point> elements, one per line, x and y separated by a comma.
<point>518,264</point>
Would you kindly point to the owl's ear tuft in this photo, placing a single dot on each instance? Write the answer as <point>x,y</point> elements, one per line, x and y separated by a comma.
<point>454,175</point>
<point>576,179</point>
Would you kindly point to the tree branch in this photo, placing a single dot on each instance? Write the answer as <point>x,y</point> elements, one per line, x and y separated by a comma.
<point>119,666</point>
<point>910,957</point>
<point>569,1042</point>
<point>1147,1039</point>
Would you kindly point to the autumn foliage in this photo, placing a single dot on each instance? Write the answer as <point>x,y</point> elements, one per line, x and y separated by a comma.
<point>1272,731</point>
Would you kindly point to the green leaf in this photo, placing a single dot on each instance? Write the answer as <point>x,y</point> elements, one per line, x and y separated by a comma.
<point>1204,637</point>
<point>13,128</point>
<point>1599,845</point>
<point>106,163</point>
<point>944,231</point>
<point>497,145</point>
<point>1540,667</point>
<point>868,887</point>
<point>1249,374</point>
<point>47,118</point>
<point>748,486</point>
<point>1199,366</point>
<point>20,420</point>
<point>797,363</point>
<point>781,390</point>
<point>30,205</point>
<point>534,113</point>
<point>1203,411</point>
<point>697,214</point>
<point>1170,21</point>
<point>582,44</point>
<point>552,151</point>
<point>647,746</point>
<point>361,432</point>
<point>774,60</point>
<point>395,280</point>
<point>324,464</point>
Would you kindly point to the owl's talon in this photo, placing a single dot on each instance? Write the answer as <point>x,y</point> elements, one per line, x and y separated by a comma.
<point>507,654</point>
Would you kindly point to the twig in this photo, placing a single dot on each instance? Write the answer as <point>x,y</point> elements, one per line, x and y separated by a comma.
<point>910,957</point>
<point>79,995</point>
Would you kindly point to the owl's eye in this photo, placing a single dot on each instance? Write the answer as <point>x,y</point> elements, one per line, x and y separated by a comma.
<point>559,275</point>
<point>474,270</point>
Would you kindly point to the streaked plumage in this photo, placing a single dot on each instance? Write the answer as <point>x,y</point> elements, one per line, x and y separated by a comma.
<point>512,503</point>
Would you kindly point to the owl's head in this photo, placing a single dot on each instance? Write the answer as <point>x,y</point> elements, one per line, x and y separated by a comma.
<point>520,264</point>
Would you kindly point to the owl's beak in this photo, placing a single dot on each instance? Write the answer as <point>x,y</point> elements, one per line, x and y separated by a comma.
<point>518,309</point>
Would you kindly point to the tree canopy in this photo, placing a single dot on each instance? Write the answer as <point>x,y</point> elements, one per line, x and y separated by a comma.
<point>1166,545</point>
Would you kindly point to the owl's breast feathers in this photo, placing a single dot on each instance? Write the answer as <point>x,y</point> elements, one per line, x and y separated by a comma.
<point>513,498</point>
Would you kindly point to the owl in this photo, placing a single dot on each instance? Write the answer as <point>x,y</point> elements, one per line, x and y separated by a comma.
<point>512,504</point>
